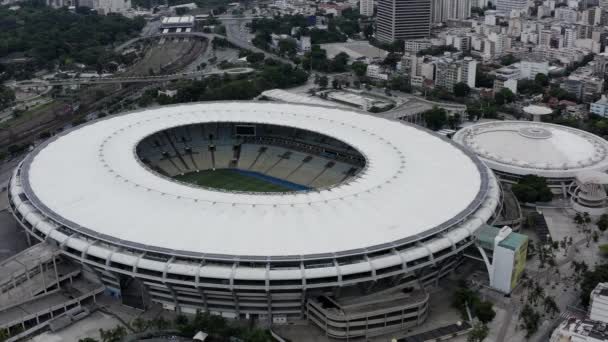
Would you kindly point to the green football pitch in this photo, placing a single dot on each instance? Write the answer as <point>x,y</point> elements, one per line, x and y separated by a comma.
<point>230,180</point>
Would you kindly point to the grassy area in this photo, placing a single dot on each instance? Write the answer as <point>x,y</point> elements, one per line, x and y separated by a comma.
<point>231,181</point>
<point>29,114</point>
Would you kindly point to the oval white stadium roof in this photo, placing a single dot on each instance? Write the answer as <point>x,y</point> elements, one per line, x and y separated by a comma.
<point>542,149</point>
<point>414,183</point>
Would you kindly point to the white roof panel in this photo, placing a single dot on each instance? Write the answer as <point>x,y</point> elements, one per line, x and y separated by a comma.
<point>414,181</point>
<point>543,149</point>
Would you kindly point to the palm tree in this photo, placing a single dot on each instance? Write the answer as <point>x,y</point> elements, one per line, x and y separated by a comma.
<point>550,306</point>
<point>537,293</point>
<point>578,219</point>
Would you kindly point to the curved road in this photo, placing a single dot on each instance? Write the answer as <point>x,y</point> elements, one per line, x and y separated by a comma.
<point>210,36</point>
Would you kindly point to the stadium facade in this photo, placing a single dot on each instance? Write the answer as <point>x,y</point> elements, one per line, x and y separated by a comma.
<point>390,208</point>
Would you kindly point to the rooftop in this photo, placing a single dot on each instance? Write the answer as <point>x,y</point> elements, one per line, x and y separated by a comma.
<point>543,149</point>
<point>90,180</point>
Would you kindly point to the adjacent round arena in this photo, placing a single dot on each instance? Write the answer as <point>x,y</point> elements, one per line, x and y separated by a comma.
<point>518,148</point>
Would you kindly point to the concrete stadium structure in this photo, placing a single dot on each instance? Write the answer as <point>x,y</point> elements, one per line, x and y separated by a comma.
<point>513,149</point>
<point>353,254</point>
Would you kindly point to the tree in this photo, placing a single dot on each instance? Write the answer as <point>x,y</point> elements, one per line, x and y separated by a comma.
<point>479,332</point>
<point>400,83</point>
<point>461,89</point>
<point>323,81</point>
<point>508,59</point>
<point>391,60</point>
<point>530,320</point>
<point>550,306</point>
<point>288,47</point>
<point>541,79</point>
<point>435,118</point>
<point>602,223</point>
<point>339,62</point>
<point>359,68</point>
<point>531,189</point>
<point>537,294</point>
<point>7,96</point>
<point>504,96</point>
<point>484,311</point>
<point>139,325</point>
<point>335,84</point>
<point>255,57</point>
<point>113,335</point>
<point>590,279</point>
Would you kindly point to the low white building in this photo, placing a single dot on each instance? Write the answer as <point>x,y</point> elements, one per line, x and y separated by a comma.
<point>600,107</point>
<point>304,44</point>
<point>376,72</point>
<point>587,330</point>
<point>415,45</point>
<point>529,69</point>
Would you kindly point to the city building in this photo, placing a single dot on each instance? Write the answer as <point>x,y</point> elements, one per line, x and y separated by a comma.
<point>168,24</point>
<point>444,10</point>
<point>304,44</point>
<point>504,253</point>
<point>528,69</point>
<point>269,257</point>
<point>506,6</point>
<point>591,329</point>
<point>469,71</point>
<point>376,71</point>
<point>600,107</point>
<point>403,20</point>
<point>415,45</point>
<point>366,7</point>
<point>106,6</point>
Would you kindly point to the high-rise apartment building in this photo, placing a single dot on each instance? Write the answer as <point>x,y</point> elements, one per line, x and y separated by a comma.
<point>366,7</point>
<point>442,10</point>
<point>403,19</point>
<point>506,6</point>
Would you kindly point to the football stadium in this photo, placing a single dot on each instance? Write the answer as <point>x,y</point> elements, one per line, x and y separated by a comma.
<point>261,211</point>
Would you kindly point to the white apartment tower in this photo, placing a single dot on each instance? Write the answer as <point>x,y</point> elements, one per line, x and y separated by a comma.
<point>506,6</point>
<point>366,7</point>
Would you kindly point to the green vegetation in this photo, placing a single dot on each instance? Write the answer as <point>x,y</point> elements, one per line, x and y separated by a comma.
<point>483,310</point>
<point>479,333</point>
<point>271,74</point>
<point>531,189</point>
<point>230,180</point>
<point>318,58</point>
<point>435,118</point>
<point>58,35</point>
<point>219,329</point>
<point>530,320</point>
<point>7,96</point>
<point>504,96</point>
<point>113,335</point>
<point>461,89</point>
<point>508,59</point>
<point>602,223</point>
<point>590,279</point>
<point>482,78</point>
